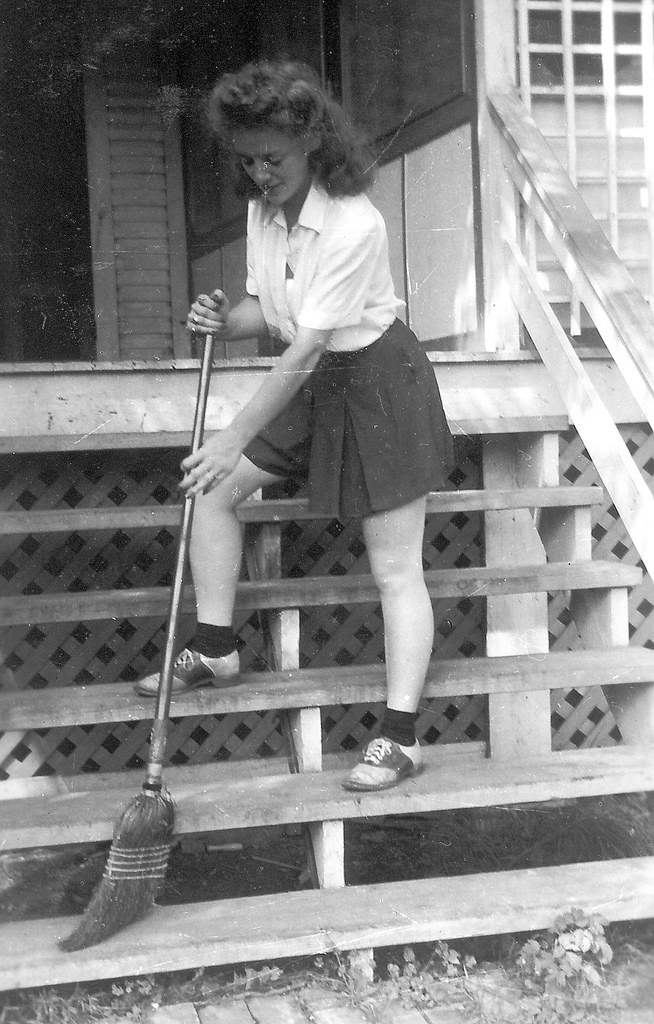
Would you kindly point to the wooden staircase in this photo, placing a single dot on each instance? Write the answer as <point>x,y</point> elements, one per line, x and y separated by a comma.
<point>537,540</point>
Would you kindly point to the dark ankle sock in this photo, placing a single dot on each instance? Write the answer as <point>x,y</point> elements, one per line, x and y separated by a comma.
<point>213,641</point>
<point>399,726</point>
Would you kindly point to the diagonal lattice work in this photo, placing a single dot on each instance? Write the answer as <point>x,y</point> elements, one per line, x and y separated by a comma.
<point>582,718</point>
<point>57,654</point>
<point>42,655</point>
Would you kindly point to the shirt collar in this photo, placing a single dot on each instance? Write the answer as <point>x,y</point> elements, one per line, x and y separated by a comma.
<point>312,214</point>
<point>314,209</point>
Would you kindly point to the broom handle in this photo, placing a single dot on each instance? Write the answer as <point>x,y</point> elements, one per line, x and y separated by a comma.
<point>160,722</point>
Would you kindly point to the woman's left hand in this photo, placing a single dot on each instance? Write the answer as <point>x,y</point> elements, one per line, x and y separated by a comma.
<point>214,462</point>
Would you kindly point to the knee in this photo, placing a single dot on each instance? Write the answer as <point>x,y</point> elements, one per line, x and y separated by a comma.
<point>399,580</point>
<point>223,498</point>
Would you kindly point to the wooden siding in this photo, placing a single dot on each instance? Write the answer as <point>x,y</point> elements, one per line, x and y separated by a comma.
<point>136,203</point>
<point>77,407</point>
<point>440,252</point>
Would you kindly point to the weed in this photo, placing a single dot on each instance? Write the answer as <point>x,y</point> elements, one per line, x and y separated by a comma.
<point>452,962</point>
<point>47,1006</point>
<point>254,979</point>
<point>562,971</point>
<point>407,983</point>
<point>423,986</point>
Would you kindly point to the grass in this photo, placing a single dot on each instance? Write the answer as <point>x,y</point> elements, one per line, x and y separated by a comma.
<point>501,839</point>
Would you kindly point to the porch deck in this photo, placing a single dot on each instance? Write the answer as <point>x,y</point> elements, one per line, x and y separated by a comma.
<point>99,406</point>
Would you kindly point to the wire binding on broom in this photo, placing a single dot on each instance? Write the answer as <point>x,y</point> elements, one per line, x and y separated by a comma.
<point>135,869</point>
<point>137,863</point>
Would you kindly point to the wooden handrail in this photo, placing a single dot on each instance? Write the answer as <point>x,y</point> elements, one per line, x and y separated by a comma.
<point>601,281</point>
<point>611,457</point>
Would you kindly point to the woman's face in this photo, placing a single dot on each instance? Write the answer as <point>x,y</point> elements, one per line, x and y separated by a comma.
<point>277,163</point>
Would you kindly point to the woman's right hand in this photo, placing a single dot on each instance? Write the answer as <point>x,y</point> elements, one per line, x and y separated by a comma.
<point>209,313</point>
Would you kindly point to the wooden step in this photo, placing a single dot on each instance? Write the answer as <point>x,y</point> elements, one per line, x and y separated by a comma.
<point>323,687</point>
<point>318,591</point>
<point>260,798</point>
<point>285,510</point>
<point>309,923</point>
<point>126,782</point>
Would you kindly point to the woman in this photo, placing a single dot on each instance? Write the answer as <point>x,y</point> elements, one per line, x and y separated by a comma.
<point>351,407</point>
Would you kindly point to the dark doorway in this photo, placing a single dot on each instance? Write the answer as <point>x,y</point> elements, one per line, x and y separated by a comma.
<point>46,290</point>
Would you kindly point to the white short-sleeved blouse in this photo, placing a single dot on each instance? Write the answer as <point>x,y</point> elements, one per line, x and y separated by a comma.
<point>339,277</point>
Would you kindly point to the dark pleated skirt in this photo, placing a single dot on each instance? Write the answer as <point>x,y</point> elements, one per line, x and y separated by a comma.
<point>367,433</point>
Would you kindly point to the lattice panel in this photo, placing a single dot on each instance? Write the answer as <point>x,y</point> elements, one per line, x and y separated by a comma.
<point>86,652</point>
<point>83,652</point>
<point>582,718</point>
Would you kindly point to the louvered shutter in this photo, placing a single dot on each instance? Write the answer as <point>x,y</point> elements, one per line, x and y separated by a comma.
<point>137,211</point>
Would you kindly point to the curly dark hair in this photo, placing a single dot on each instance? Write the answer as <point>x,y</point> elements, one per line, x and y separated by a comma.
<point>288,96</point>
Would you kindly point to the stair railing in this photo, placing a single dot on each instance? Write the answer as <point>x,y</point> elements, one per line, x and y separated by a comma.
<point>618,311</point>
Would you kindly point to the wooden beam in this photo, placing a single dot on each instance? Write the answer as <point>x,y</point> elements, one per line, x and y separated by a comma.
<point>79,407</point>
<point>98,409</point>
<point>318,591</point>
<point>58,520</point>
<point>316,687</point>
<point>495,70</point>
<point>179,271</point>
<point>196,776</point>
<point>103,243</point>
<point>566,533</point>
<point>301,725</point>
<point>308,923</point>
<point>227,801</point>
<point>520,723</point>
<point>602,619</point>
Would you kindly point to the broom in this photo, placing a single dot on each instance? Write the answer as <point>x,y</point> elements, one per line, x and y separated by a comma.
<point>136,865</point>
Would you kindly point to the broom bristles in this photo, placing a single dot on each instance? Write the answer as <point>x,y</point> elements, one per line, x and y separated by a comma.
<point>135,869</point>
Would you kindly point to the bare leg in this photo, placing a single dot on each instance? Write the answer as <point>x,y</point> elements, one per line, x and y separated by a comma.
<point>217,542</point>
<point>394,542</point>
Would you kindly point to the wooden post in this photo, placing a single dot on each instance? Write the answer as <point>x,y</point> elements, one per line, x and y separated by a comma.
<point>103,242</point>
<point>602,618</point>
<point>566,534</point>
<point>519,724</point>
<point>179,297</point>
<point>304,725</point>
<point>496,70</point>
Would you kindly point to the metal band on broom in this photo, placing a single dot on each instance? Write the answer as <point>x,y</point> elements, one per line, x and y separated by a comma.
<point>143,836</point>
